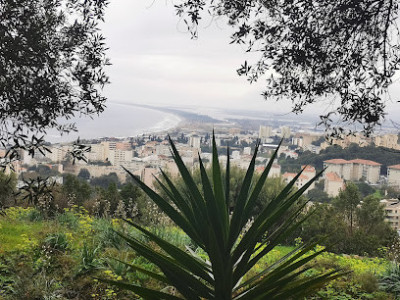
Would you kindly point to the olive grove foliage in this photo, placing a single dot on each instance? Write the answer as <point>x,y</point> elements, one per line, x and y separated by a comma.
<point>52,56</point>
<point>343,51</point>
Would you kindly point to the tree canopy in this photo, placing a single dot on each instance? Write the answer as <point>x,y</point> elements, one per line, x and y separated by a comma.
<point>343,51</point>
<point>52,56</point>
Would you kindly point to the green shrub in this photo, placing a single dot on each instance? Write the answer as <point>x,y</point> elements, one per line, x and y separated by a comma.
<point>69,220</point>
<point>57,241</point>
<point>89,259</point>
<point>105,236</point>
<point>390,281</point>
<point>368,281</point>
<point>34,215</point>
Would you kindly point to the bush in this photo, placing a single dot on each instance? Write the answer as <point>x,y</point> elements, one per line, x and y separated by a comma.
<point>69,220</point>
<point>368,282</point>
<point>390,281</point>
<point>57,241</point>
<point>89,259</point>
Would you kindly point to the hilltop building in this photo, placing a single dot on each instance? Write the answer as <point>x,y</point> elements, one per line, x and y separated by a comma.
<point>387,141</point>
<point>345,141</point>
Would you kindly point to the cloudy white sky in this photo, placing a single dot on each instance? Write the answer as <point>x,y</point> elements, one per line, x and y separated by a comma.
<point>155,62</point>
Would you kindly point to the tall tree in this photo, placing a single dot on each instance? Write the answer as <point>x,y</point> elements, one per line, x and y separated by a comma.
<point>347,202</point>
<point>8,185</point>
<point>84,174</point>
<point>51,68</point>
<point>310,51</point>
<point>371,214</point>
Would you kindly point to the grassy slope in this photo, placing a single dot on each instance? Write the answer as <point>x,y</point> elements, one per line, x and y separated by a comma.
<point>19,235</point>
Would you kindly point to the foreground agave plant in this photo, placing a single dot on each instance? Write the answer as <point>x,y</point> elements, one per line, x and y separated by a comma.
<point>205,217</point>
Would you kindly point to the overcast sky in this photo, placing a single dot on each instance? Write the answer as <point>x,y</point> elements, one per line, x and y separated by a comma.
<point>156,62</point>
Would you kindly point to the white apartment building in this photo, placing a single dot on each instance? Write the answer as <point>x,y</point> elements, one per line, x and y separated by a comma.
<point>194,141</point>
<point>301,181</point>
<point>393,175</point>
<point>387,141</point>
<point>108,146</point>
<point>265,132</point>
<point>97,152</point>
<point>285,132</point>
<point>247,151</point>
<point>120,157</point>
<point>392,210</point>
<point>58,152</point>
<point>355,169</point>
<point>333,184</point>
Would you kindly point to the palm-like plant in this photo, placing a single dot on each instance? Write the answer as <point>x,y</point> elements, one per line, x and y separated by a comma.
<point>206,217</point>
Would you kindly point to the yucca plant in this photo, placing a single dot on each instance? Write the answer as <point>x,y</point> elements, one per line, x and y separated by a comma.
<point>206,217</point>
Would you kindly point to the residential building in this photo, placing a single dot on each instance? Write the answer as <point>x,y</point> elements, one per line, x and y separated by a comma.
<point>247,151</point>
<point>108,146</point>
<point>275,170</point>
<point>333,184</point>
<point>367,169</point>
<point>148,175</point>
<point>300,182</point>
<point>58,152</point>
<point>304,140</point>
<point>387,141</point>
<point>123,146</point>
<point>235,154</point>
<point>393,175</point>
<point>392,210</point>
<point>265,132</point>
<point>194,141</point>
<point>285,132</point>
<point>97,152</point>
<point>345,141</point>
<point>310,172</point>
<point>355,169</point>
<point>120,157</point>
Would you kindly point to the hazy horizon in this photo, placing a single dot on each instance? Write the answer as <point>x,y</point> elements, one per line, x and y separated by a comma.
<point>155,62</point>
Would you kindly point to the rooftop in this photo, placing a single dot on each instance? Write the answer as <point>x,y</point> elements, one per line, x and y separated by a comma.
<point>332,176</point>
<point>337,161</point>
<point>308,168</point>
<point>340,161</point>
<point>292,175</point>
<point>365,162</point>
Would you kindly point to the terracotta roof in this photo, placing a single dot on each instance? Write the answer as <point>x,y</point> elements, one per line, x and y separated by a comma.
<point>340,161</point>
<point>332,176</point>
<point>337,161</point>
<point>260,168</point>
<point>292,175</point>
<point>308,168</point>
<point>397,167</point>
<point>364,162</point>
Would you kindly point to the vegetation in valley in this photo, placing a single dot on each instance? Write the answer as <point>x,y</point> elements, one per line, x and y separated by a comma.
<point>381,155</point>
